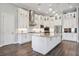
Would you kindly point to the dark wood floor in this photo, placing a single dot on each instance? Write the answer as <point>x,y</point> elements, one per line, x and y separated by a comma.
<point>65,48</point>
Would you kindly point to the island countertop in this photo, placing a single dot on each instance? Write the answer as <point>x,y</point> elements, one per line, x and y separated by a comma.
<point>46,34</point>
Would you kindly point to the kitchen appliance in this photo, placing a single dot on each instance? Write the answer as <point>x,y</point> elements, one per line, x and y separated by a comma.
<point>46,30</point>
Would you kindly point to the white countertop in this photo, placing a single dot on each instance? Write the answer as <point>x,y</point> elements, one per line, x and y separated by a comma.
<point>46,34</point>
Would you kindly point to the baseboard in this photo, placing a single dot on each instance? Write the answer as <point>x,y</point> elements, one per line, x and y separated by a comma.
<point>1,45</point>
<point>24,42</point>
<point>77,41</point>
<point>69,40</point>
<point>14,43</point>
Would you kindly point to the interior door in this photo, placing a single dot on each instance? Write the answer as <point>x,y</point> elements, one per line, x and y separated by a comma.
<point>8,28</point>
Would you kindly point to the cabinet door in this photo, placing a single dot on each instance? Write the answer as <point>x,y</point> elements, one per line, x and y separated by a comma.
<point>23,18</point>
<point>7,28</point>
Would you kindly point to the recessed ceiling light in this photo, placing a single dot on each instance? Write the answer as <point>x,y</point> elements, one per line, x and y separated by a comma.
<point>56,14</point>
<point>39,4</point>
<point>70,6</point>
<point>50,5</point>
<point>50,9</point>
<point>53,12</point>
<point>39,9</point>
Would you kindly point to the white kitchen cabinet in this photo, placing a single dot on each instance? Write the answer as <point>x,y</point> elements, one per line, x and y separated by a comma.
<point>8,15</point>
<point>70,37</point>
<point>69,21</point>
<point>44,20</point>
<point>23,18</point>
<point>44,44</point>
<point>23,26</point>
<point>37,20</point>
<point>24,38</point>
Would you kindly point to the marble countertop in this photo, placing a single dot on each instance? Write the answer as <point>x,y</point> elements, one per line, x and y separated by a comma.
<point>41,34</point>
<point>46,34</point>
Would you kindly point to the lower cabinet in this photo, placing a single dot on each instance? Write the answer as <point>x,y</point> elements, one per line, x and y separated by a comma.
<point>44,44</point>
<point>24,38</point>
<point>70,36</point>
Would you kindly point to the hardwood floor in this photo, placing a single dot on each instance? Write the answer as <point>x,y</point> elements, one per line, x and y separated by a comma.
<point>16,50</point>
<point>65,48</point>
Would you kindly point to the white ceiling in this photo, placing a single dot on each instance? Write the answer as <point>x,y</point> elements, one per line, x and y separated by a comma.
<point>43,8</point>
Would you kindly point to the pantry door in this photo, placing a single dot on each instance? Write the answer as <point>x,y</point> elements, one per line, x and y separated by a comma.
<point>7,28</point>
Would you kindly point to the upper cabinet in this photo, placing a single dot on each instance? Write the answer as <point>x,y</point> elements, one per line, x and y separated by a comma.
<point>70,20</point>
<point>47,21</point>
<point>41,20</point>
<point>58,20</point>
<point>23,18</point>
<point>36,21</point>
<point>71,15</point>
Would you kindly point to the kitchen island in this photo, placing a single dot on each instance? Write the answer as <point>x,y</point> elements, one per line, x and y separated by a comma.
<point>45,42</point>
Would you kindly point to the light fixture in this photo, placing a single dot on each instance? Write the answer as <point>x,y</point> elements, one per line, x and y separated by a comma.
<point>50,5</point>
<point>39,4</point>
<point>56,14</point>
<point>39,9</point>
<point>50,9</point>
<point>53,12</point>
<point>70,6</point>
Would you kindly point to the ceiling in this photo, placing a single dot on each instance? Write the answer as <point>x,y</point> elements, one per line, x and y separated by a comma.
<point>48,9</point>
